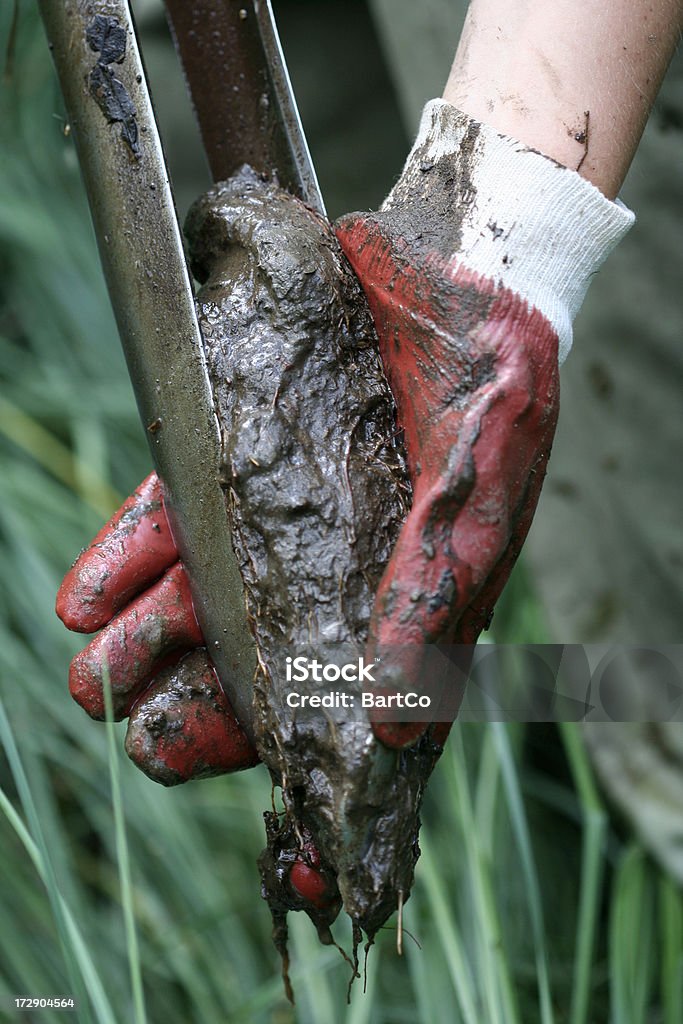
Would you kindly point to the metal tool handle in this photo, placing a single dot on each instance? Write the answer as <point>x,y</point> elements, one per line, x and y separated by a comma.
<point>241,92</point>
<point>112,120</point>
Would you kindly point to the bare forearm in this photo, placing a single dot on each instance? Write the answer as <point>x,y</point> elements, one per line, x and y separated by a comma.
<point>575,79</point>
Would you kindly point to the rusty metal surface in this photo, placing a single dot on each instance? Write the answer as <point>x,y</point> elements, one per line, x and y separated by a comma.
<point>111,116</point>
<point>241,92</point>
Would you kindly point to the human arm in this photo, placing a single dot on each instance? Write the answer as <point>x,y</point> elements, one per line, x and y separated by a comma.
<point>576,81</point>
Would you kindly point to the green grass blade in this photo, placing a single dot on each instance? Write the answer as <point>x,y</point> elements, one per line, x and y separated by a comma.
<point>310,976</point>
<point>52,455</point>
<point>80,967</point>
<point>631,931</point>
<point>487,791</point>
<point>439,901</point>
<point>493,974</point>
<point>671,928</point>
<point>123,860</point>
<point>533,891</point>
<point>592,870</point>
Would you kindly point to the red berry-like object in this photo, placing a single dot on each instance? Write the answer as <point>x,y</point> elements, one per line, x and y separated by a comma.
<point>309,884</point>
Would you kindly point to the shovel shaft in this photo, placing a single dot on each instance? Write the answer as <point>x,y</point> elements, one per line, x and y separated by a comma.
<point>112,120</point>
<point>240,89</point>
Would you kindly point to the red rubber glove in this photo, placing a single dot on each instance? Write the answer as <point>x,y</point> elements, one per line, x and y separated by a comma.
<point>475,378</point>
<point>473,269</point>
<point>130,584</point>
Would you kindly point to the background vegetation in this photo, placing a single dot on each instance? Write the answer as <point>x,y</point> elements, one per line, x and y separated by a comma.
<point>143,903</point>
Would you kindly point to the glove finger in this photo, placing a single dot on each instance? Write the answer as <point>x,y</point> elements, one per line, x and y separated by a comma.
<point>154,628</point>
<point>444,556</point>
<point>466,528</point>
<point>130,552</point>
<point>433,610</point>
<point>464,515</point>
<point>182,727</point>
<point>478,615</point>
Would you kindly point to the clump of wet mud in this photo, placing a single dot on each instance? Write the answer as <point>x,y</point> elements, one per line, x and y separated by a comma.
<point>317,491</point>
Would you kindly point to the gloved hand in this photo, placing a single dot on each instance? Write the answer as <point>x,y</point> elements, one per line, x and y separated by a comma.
<point>474,269</point>
<point>129,584</point>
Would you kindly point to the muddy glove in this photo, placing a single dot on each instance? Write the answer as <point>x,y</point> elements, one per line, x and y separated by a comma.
<point>130,585</point>
<point>474,269</point>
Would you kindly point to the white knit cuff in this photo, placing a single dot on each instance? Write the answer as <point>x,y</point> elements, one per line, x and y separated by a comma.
<point>524,220</point>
